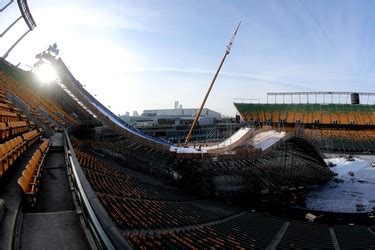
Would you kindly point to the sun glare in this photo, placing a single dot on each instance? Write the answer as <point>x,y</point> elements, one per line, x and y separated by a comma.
<point>46,73</point>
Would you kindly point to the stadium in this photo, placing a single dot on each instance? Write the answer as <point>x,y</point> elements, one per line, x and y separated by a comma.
<point>74,175</point>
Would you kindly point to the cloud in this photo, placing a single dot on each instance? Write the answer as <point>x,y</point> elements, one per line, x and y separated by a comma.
<point>239,75</point>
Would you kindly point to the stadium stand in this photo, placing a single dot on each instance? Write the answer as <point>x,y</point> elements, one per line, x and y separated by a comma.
<point>13,125</point>
<point>307,235</point>
<point>308,113</point>
<point>38,100</point>
<point>245,231</point>
<point>334,127</point>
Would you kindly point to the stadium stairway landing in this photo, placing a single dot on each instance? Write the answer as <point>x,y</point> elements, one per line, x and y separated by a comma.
<point>55,223</point>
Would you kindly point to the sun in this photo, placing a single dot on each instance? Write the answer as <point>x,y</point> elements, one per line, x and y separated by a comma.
<point>46,73</point>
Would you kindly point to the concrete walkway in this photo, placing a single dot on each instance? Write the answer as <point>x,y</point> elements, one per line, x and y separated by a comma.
<point>56,230</point>
<point>55,224</point>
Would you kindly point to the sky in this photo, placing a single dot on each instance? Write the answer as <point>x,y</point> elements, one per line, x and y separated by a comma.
<point>138,54</point>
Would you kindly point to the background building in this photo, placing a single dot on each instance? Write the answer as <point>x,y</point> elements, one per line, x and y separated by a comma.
<point>175,116</point>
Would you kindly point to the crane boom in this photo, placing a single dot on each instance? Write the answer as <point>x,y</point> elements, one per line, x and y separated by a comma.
<point>197,115</point>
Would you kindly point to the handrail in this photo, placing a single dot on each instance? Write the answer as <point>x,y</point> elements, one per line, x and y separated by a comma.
<point>101,226</point>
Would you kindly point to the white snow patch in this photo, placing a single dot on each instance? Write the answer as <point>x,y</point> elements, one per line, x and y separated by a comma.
<point>265,140</point>
<point>344,196</point>
<point>343,167</point>
<point>189,149</point>
<point>234,138</point>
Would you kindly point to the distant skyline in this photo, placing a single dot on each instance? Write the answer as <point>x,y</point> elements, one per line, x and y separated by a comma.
<point>137,55</point>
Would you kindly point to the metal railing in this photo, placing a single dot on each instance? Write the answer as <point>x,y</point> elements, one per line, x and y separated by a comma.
<point>101,226</point>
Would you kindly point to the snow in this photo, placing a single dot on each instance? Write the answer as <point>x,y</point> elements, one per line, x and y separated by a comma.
<point>343,167</point>
<point>229,141</point>
<point>234,138</point>
<point>188,149</point>
<point>343,197</point>
<point>265,140</point>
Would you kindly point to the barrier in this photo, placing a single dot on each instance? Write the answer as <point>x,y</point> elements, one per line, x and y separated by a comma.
<point>101,226</point>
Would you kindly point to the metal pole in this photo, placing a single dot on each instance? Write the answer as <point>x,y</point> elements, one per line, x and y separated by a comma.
<point>197,115</point>
<point>10,26</point>
<point>14,45</point>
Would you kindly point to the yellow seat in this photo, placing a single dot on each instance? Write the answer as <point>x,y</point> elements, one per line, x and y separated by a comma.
<point>5,148</point>
<point>27,186</point>
<point>4,130</point>
<point>29,189</point>
<point>31,167</point>
<point>43,147</point>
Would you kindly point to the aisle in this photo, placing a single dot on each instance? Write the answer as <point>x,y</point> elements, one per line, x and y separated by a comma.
<point>55,224</point>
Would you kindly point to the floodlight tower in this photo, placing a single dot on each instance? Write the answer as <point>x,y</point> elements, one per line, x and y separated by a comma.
<point>25,15</point>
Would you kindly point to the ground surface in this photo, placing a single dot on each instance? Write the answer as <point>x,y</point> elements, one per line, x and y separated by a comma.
<point>357,187</point>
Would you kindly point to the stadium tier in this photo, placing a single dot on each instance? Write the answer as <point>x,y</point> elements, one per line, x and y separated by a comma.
<point>308,114</point>
<point>333,127</point>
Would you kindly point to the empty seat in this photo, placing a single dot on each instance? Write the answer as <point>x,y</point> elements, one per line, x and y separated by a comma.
<point>31,137</point>
<point>29,189</point>
<point>4,131</point>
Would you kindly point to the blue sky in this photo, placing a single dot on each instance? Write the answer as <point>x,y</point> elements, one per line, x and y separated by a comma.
<point>137,54</point>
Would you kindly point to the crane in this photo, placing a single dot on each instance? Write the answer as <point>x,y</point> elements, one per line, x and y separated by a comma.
<point>197,115</point>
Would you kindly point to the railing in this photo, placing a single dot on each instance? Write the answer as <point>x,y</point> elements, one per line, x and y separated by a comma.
<point>102,228</point>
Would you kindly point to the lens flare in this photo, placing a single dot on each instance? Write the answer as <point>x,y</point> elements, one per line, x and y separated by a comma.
<point>46,73</point>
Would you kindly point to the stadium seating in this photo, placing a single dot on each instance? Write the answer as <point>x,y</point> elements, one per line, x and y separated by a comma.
<point>6,116</point>
<point>32,98</point>
<point>29,181</point>
<point>343,140</point>
<point>133,214</point>
<point>13,134</point>
<point>246,231</point>
<point>355,237</point>
<point>31,137</point>
<point>4,130</point>
<point>336,126</point>
<point>306,235</point>
<point>18,127</point>
<point>10,151</point>
<point>308,113</point>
